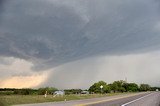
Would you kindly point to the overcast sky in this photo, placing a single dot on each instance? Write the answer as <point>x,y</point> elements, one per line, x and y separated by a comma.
<point>74,43</point>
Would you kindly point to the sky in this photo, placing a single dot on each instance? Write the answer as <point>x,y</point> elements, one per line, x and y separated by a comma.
<point>74,43</point>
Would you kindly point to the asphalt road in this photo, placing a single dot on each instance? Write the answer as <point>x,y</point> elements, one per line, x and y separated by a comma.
<point>139,99</point>
<point>148,100</point>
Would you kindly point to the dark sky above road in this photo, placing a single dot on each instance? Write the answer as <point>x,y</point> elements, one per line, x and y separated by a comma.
<point>52,42</point>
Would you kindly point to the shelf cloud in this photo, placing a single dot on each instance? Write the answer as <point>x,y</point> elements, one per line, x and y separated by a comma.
<point>52,33</point>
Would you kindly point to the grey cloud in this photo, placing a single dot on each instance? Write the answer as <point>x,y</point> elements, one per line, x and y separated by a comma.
<point>4,61</point>
<point>51,33</point>
<point>70,76</point>
<point>139,68</point>
<point>13,73</point>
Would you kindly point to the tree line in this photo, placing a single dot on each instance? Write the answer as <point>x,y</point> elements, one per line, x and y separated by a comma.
<point>27,91</point>
<point>116,86</point>
<point>120,86</point>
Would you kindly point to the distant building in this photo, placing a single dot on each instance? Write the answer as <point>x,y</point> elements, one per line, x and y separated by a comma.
<point>84,92</point>
<point>59,93</point>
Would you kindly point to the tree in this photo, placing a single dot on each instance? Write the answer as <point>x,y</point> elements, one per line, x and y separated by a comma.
<point>155,88</point>
<point>131,87</point>
<point>24,91</point>
<point>96,87</point>
<point>117,86</point>
<point>145,87</point>
<point>106,89</point>
<point>114,87</point>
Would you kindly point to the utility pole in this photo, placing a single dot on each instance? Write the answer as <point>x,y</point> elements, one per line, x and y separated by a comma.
<point>126,79</point>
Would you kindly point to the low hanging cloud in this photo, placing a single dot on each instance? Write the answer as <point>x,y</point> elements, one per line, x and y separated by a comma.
<point>138,68</point>
<point>17,73</point>
<point>47,34</point>
<point>51,32</point>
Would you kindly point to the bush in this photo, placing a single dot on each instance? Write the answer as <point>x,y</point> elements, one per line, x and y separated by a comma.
<point>145,87</point>
<point>72,91</point>
<point>50,90</point>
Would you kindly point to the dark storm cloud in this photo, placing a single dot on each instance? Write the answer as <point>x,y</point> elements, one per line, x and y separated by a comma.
<point>53,32</point>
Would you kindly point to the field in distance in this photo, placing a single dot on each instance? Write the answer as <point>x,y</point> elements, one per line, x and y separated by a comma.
<point>26,99</point>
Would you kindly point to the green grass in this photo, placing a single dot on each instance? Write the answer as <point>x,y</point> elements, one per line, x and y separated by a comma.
<point>6,100</point>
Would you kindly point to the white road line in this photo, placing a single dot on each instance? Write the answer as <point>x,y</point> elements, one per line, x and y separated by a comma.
<point>136,100</point>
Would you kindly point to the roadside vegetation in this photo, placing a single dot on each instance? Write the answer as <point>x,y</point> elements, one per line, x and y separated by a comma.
<point>13,96</point>
<point>26,99</point>
<point>120,86</point>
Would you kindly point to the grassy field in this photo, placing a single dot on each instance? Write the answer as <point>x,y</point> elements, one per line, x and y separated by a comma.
<point>7,100</point>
